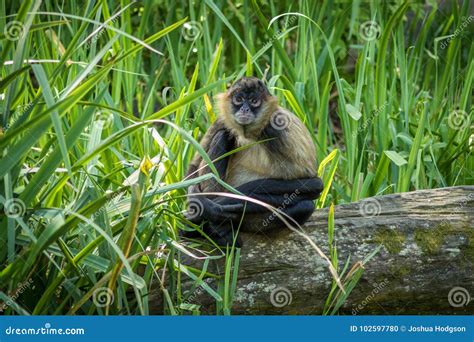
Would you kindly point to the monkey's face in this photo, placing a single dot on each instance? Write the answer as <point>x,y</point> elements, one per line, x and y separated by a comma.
<point>246,107</point>
<point>247,97</point>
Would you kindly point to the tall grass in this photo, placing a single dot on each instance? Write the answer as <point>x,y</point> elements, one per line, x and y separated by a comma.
<point>102,103</point>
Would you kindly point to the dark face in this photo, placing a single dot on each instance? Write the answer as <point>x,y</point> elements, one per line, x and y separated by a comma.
<point>248,95</point>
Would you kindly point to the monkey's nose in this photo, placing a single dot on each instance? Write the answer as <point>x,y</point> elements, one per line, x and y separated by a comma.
<point>245,109</point>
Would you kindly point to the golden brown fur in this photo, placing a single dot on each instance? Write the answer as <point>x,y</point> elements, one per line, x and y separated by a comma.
<point>294,156</point>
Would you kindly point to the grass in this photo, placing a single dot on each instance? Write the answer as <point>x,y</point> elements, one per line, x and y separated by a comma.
<point>103,103</point>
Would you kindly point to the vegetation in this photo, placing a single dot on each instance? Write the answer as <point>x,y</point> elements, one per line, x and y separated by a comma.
<point>103,103</point>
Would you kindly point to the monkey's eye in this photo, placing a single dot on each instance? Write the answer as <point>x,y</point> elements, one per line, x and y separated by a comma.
<point>238,100</point>
<point>255,102</point>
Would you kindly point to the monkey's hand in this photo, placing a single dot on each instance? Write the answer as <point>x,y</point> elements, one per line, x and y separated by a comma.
<point>201,208</point>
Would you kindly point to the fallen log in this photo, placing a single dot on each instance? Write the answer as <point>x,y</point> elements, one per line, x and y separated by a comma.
<point>424,265</point>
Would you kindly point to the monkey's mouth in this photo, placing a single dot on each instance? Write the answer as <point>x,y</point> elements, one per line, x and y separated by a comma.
<point>244,119</point>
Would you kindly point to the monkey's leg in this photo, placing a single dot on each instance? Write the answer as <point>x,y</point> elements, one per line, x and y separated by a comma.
<point>259,219</point>
<point>291,197</point>
<point>307,188</point>
<point>262,220</point>
<point>275,192</point>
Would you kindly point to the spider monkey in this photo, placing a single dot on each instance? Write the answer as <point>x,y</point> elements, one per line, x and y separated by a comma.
<point>279,168</point>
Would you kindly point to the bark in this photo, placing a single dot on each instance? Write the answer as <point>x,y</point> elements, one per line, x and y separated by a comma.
<point>424,265</point>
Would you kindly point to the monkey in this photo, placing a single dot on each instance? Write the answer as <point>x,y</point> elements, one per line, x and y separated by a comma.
<point>276,165</point>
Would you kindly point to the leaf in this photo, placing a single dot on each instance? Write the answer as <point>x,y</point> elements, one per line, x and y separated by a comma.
<point>6,80</point>
<point>50,102</point>
<point>396,158</point>
<point>353,111</point>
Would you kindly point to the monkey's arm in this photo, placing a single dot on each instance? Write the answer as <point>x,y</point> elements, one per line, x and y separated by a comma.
<point>217,142</point>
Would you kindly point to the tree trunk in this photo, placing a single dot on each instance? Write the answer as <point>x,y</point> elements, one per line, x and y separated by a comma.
<point>424,265</point>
